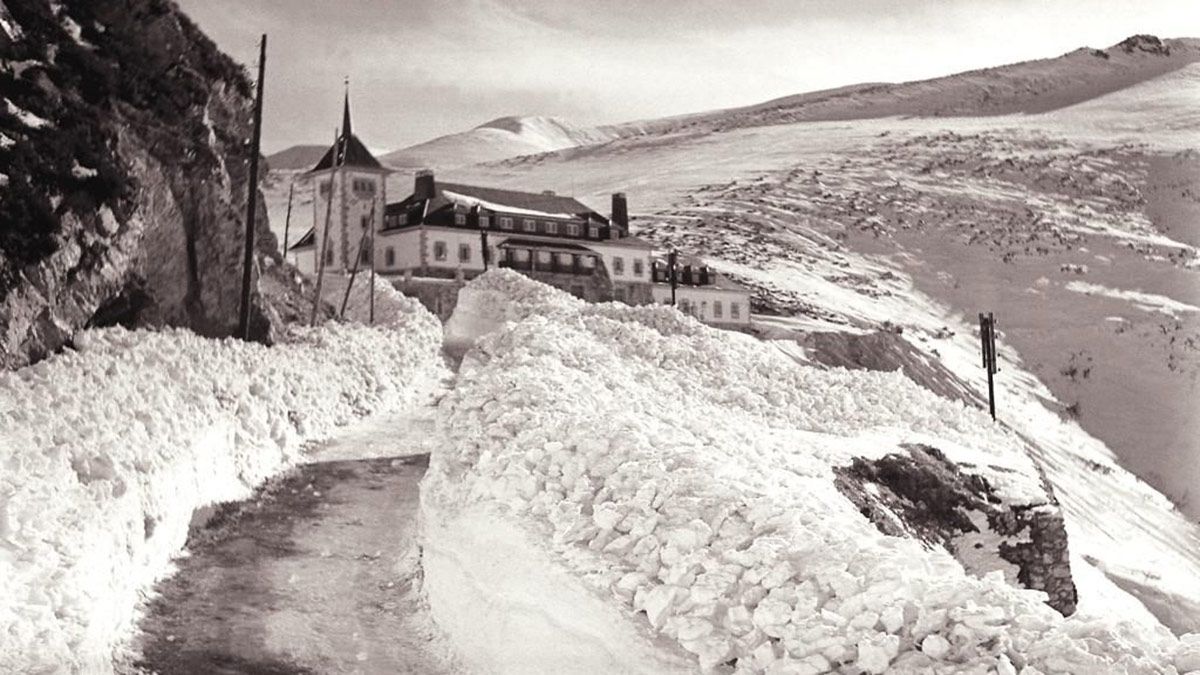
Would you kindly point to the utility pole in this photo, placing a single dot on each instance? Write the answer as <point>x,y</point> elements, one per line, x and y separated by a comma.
<point>672,258</point>
<point>371,315</point>
<point>252,198</point>
<point>987,337</point>
<point>312,321</point>
<point>287,221</point>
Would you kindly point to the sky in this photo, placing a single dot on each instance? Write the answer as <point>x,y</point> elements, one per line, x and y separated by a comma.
<point>422,69</point>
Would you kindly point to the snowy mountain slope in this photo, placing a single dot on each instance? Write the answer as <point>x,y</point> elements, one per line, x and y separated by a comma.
<point>296,158</point>
<point>111,446</point>
<point>688,474</point>
<point>920,224</point>
<point>1028,87</point>
<point>499,139</point>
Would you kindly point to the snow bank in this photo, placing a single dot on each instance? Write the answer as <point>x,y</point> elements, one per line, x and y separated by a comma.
<point>108,450</point>
<point>686,474</point>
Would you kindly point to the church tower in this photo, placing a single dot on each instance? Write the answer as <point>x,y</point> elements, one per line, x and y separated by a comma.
<point>350,176</point>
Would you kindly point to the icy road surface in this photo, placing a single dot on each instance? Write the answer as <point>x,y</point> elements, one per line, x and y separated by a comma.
<point>318,573</point>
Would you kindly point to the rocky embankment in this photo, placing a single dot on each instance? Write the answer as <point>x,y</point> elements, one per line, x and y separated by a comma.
<point>123,145</point>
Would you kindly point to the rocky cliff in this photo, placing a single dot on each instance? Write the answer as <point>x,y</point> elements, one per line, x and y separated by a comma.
<point>123,167</point>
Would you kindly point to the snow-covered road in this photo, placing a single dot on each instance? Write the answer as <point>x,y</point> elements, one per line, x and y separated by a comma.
<point>319,572</point>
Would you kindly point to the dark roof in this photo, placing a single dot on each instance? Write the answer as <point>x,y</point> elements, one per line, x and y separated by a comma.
<point>309,239</point>
<point>353,153</point>
<point>543,243</point>
<point>532,201</point>
<point>347,150</point>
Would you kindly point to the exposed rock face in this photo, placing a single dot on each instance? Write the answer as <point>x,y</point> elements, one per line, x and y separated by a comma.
<point>126,162</point>
<point>925,495</point>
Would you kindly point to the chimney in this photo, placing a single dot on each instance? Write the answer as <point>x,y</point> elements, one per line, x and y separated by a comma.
<point>620,214</point>
<point>424,186</point>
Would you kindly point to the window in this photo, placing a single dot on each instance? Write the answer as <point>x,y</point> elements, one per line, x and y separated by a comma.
<point>404,218</point>
<point>324,189</point>
<point>464,253</point>
<point>529,225</point>
<point>619,294</point>
<point>329,255</point>
<point>718,309</point>
<point>364,256</point>
<point>703,308</point>
<point>564,259</point>
<point>522,255</point>
<point>439,250</point>
<point>365,222</point>
<point>735,310</point>
<point>389,257</point>
<point>638,267</point>
<point>618,265</point>
<point>363,186</point>
<point>506,223</point>
<point>484,221</point>
<point>589,262</point>
<point>572,229</point>
<point>460,219</point>
<point>551,227</point>
<point>594,231</point>
<point>543,257</point>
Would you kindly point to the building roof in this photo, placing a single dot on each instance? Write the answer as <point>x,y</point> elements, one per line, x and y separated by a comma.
<point>515,202</point>
<point>347,150</point>
<point>545,244</point>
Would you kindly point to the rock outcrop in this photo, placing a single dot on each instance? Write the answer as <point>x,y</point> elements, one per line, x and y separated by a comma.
<point>926,496</point>
<point>124,161</point>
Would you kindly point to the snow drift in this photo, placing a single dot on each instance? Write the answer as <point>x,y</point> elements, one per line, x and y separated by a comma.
<point>109,448</point>
<point>687,476</point>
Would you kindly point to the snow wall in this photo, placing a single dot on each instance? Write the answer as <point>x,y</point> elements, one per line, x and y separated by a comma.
<point>110,447</point>
<point>684,477</point>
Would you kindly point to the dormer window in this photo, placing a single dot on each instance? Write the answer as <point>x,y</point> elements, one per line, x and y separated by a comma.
<point>551,227</point>
<point>484,221</point>
<point>363,187</point>
<point>572,229</point>
<point>506,223</point>
<point>529,225</point>
<point>594,231</point>
<point>460,219</point>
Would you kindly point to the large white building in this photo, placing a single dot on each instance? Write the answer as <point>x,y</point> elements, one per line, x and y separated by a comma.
<point>445,233</point>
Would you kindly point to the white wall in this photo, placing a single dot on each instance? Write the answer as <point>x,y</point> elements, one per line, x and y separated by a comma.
<point>628,254</point>
<point>345,224</point>
<point>703,300</point>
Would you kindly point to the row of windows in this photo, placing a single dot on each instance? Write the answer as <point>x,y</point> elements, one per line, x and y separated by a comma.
<point>701,309</point>
<point>363,187</point>
<point>618,266</point>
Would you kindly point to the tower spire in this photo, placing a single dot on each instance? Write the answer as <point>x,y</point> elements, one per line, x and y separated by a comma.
<point>346,131</point>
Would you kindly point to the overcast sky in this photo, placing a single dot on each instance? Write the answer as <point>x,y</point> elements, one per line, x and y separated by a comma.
<point>420,69</point>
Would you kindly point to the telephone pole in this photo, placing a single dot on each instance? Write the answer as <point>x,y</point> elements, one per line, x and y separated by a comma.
<point>987,338</point>
<point>252,198</point>
<point>672,258</point>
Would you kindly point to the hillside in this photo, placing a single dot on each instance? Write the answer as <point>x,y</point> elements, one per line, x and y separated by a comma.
<point>122,176</point>
<point>296,158</point>
<point>1028,87</point>
<point>1076,226</point>
<point>499,139</point>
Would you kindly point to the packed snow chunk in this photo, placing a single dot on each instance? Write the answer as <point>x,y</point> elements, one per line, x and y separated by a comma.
<point>686,475</point>
<point>109,448</point>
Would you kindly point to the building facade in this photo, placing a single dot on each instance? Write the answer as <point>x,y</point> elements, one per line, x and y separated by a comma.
<point>443,234</point>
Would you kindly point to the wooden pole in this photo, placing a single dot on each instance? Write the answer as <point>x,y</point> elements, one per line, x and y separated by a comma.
<point>671,260</point>
<point>252,198</point>
<point>371,314</point>
<point>362,240</point>
<point>987,338</point>
<point>312,321</point>
<point>287,221</point>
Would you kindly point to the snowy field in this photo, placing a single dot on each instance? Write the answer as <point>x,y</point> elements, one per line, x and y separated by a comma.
<point>685,475</point>
<point>97,492</point>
